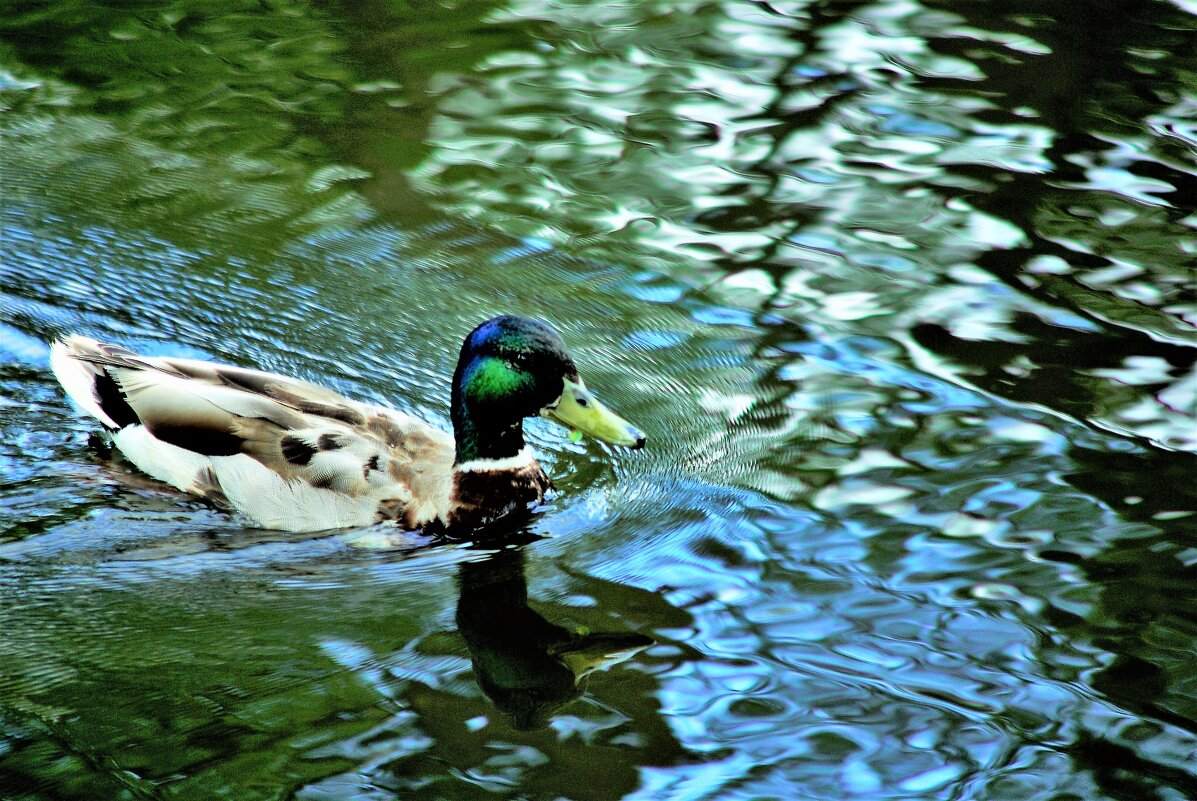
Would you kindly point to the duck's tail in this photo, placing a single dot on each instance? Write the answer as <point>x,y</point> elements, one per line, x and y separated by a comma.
<point>79,363</point>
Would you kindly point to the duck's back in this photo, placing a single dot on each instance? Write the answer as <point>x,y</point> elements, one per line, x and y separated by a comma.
<point>286,453</point>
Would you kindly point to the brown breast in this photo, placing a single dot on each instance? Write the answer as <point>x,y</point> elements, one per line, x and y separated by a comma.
<point>481,496</point>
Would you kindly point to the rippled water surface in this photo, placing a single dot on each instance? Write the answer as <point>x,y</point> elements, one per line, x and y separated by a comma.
<point>903,293</point>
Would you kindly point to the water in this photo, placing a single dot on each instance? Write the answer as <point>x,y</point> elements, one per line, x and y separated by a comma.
<point>902,292</point>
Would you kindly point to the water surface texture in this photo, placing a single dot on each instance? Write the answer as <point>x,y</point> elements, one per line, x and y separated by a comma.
<point>902,292</point>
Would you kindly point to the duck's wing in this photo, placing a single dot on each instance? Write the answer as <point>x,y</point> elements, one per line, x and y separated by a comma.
<point>287,453</point>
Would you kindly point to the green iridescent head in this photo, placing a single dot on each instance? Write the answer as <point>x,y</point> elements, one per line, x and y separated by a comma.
<point>511,368</point>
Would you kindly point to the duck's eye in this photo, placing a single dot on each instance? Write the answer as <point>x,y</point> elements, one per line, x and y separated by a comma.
<point>520,359</point>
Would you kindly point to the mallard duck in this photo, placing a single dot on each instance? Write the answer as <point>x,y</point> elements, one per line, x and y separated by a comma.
<point>294,456</point>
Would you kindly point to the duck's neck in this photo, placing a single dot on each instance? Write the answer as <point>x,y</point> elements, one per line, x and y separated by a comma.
<point>494,473</point>
<point>487,446</point>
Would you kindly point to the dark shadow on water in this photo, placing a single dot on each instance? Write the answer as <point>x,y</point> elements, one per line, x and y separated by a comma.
<point>579,730</point>
<point>526,665</point>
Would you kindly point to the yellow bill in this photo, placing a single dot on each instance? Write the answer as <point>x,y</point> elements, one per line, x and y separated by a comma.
<point>578,409</point>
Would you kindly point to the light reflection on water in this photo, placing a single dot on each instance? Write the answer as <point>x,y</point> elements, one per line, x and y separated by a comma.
<point>901,291</point>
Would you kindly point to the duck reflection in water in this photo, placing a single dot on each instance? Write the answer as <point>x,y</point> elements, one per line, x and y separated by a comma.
<point>527,666</point>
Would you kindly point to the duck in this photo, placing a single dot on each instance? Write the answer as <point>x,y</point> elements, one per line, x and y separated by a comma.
<point>290,455</point>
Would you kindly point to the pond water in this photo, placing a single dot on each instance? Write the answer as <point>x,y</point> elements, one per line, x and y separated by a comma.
<point>902,292</point>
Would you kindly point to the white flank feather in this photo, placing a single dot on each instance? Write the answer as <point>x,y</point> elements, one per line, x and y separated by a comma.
<point>176,466</point>
<point>273,502</point>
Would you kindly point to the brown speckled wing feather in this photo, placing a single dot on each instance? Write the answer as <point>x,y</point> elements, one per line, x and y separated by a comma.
<point>307,436</point>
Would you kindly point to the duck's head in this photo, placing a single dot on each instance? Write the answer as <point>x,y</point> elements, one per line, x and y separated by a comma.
<point>511,368</point>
